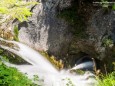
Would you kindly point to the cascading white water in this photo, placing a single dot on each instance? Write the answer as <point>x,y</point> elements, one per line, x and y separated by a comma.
<point>88,64</point>
<point>48,74</point>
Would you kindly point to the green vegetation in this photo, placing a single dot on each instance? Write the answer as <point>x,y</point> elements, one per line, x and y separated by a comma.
<point>107,80</point>
<point>12,9</point>
<point>20,10</point>
<point>57,63</point>
<point>105,4</point>
<point>8,56</point>
<point>107,42</point>
<point>11,77</point>
<point>9,11</point>
<point>78,71</point>
<point>16,33</point>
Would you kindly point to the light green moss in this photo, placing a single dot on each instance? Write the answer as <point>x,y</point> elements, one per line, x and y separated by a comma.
<point>16,32</point>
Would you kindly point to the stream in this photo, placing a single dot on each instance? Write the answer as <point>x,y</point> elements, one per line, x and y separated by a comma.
<point>47,73</point>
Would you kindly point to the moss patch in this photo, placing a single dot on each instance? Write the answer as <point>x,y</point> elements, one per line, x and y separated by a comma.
<point>16,32</point>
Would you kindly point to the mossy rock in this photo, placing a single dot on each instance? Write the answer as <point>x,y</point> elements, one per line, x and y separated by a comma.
<point>9,56</point>
<point>78,71</point>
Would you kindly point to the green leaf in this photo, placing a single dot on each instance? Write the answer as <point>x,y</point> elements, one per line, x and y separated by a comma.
<point>12,9</point>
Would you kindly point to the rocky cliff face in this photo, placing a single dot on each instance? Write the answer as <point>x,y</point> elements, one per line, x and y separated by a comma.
<point>101,38</point>
<point>101,33</point>
<point>44,31</point>
<point>101,30</point>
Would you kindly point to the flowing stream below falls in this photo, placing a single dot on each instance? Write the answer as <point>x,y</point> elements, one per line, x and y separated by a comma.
<point>47,73</point>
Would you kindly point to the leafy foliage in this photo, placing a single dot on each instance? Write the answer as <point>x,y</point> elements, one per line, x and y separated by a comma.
<point>11,77</point>
<point>107,42</point>
<point>11,9</point>
<point>108,80</point>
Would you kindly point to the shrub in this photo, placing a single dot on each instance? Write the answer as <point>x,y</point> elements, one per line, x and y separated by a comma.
<point>107,80</point>
<point>9,76</point>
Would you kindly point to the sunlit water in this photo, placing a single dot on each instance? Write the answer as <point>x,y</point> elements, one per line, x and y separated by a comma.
<point>48,74</point>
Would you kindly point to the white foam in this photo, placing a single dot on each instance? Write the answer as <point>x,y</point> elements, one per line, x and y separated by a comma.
<point>48,74</point>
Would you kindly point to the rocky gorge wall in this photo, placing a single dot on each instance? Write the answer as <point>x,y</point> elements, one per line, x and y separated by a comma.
<point>44,31</point>
<point>85,30</point>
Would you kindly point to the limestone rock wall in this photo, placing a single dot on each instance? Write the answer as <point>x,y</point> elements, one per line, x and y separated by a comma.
<point>44,31</point>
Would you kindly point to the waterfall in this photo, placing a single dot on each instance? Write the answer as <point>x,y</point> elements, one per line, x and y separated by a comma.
<point>47,73</point>
<point>88,65</point>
